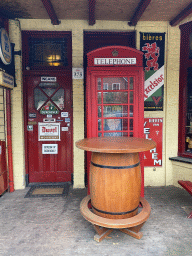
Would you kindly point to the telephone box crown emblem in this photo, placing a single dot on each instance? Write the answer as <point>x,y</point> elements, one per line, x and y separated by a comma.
<point>115,53</point>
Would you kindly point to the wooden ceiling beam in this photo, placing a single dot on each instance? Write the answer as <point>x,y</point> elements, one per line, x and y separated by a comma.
<point>91,12</point>
<point>138,12</point>
<point>51,12</point>
<point>182,15</point>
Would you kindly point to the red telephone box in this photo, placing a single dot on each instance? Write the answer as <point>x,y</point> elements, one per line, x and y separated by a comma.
<point>115,95</point>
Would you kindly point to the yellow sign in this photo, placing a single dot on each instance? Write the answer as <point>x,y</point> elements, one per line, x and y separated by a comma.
<point>6,80</point>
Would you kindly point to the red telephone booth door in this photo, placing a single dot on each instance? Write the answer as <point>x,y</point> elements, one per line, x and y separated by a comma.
<point>49,128</point>
<point>115,94</point>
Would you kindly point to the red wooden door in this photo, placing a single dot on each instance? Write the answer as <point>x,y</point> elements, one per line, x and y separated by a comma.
<point>49,127</point>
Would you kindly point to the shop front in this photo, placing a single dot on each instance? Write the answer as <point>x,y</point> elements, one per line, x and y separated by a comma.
<point>60,98</point>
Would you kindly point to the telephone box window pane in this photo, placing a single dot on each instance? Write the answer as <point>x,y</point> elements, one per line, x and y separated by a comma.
<point>131,124</point>
<point>116,83</point>
<point>115,97</point>
<point>58,98</point>
<point>99,97</point>
<point>112,125</point>
<point>131,110</point>
<point>114,111</point>
<point>131,98</point>
<point>99,134</point>
<point>105,86</point>
<point>117,134</point>
<point>99,111</point>
<point>125,124</point>
<point>131,83</point>
<point>98,84</point>
<point>131,134</point>
<point>116,86</point>
<point>39,98</point>
<point>99,124</point>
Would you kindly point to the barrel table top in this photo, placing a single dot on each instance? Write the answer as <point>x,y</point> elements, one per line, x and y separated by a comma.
<point>116,144</point>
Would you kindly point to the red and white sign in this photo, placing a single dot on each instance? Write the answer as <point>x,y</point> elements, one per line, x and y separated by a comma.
<point>153,130</point>
<point>48,131</point>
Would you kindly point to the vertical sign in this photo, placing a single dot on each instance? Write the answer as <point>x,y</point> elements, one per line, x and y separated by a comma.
<point>153,47</point>
<point>153,130</point>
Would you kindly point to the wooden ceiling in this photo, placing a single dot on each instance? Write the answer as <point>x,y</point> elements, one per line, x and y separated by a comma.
<point>131,11</point>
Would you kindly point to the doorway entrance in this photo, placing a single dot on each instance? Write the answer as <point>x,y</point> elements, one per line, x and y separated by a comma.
<point>48,106</point>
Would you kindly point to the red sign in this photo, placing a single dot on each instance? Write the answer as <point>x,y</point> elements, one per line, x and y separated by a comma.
<point>153,130</point>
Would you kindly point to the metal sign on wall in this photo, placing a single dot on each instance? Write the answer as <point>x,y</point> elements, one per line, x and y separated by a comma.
<point>153,47</point>
<point>153,130</point>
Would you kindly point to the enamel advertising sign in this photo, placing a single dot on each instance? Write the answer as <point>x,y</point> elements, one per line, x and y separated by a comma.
<point>48,131</point>
<point>153,47</point>
<point>153,130</point>
<point>5,47</point>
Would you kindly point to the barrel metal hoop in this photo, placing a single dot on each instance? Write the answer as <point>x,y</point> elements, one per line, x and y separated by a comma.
<point>115,167</point>
<point>114,213</point>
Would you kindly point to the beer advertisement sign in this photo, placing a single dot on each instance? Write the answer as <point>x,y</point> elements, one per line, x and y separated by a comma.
<point>48,131</point>
<point>153,47</point>
<point>153,130</point>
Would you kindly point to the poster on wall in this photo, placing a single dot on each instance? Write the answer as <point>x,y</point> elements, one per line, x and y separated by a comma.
<point>153,130</point>
<point>153,47</point>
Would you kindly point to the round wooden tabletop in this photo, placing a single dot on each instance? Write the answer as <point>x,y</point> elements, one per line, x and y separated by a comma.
<point>116,144</point>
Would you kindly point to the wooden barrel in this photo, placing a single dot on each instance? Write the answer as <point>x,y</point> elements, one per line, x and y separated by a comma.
<point>115,184</point>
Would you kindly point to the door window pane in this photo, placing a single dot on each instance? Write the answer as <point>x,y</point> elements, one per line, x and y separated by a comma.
<point>39,98</point>
<point>58,98</point>
<point>188,135</point>
<point>49,108</point>
<point>48,52</point>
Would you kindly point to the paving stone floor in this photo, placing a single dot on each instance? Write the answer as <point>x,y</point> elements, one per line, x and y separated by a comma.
<point>54,226</point>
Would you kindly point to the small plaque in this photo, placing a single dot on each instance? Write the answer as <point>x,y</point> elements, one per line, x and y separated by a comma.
<point>67,120</point>
<point>64,129</point>
<point>64,114</point>
<point>78,73</point>
<point>52,120</point>
<point>29,128</point>
<point>32,115</point>
<point>49,149</point>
